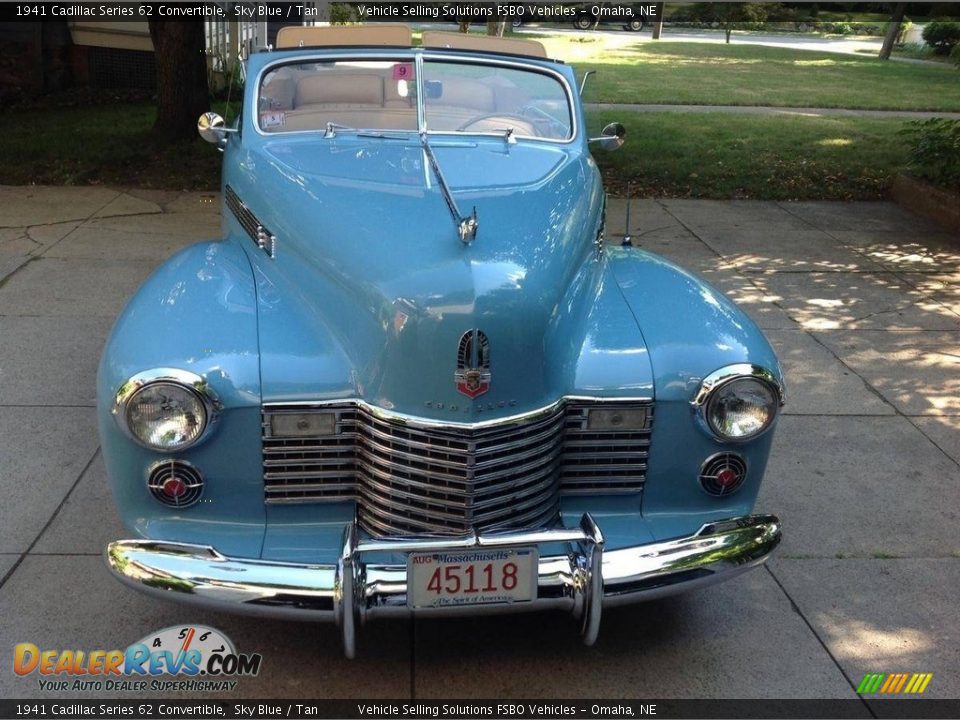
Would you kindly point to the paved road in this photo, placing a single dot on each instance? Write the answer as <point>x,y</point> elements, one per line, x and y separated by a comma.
<point>860,299</point>
<point>845,44</point>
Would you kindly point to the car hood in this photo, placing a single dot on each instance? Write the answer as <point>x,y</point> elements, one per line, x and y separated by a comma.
<point>371,289</point>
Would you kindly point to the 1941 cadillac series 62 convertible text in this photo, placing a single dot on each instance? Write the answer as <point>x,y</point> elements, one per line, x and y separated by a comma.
<point>411,378</point>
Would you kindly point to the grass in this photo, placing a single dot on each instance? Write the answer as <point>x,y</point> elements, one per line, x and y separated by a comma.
<point>668,72</point>
<point>915,51</point>
<point>666,154</point>
<point>100,144</point>
<point>716,155</point>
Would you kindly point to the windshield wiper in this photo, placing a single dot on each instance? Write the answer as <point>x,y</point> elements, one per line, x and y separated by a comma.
<point>333,128</point>
<point>466,226</point>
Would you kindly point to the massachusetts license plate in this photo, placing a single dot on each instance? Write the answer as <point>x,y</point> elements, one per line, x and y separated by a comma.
<point>471,577</point>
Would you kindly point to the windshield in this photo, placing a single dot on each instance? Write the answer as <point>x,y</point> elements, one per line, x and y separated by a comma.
<point>473,98</point>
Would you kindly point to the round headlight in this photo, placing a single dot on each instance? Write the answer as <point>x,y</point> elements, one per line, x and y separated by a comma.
<point>738,402</point>
<point>741,409</point>
<point>165,415</point>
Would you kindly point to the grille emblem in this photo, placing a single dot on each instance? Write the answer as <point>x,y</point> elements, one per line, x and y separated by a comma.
<point>473,364</point>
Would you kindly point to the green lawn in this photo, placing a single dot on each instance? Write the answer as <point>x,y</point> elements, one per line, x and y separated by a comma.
<point>101,144</point>
<point>670,72</point>
<point>718,155</point>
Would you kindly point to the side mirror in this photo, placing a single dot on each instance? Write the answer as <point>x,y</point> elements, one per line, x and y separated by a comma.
<point>213,129</point>
<point>611,137</point>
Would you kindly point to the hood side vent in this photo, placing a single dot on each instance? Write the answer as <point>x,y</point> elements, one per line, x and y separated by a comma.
<point>264,239</point>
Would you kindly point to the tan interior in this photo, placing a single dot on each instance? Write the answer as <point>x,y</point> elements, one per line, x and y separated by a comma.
<point>483,43</point>
<point>379,34</point>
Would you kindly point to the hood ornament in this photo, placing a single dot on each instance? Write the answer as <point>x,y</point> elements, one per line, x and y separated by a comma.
<point>473,364</point>
<point>466,224</point>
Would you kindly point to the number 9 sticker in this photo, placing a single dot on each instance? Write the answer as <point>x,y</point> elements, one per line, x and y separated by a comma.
<point>403,71</point>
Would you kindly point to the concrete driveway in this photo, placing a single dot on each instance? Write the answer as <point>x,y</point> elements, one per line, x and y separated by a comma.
<point>862,300</point>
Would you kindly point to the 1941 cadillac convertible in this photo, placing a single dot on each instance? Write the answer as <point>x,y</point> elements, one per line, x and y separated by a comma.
<point>411,378</point>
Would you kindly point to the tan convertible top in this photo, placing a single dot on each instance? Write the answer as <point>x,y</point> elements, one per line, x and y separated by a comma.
<point>396,35</point>
<point>483,43</point>
<point>381,34</point>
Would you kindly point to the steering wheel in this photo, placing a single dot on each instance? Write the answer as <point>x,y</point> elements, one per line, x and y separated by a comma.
<point>490,116</point>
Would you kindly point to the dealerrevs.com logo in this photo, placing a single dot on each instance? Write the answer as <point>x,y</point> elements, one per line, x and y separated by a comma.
<point>204,655</point>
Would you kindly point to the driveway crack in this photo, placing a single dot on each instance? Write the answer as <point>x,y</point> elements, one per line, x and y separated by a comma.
<point>50,520</point>
<point>823,644</point>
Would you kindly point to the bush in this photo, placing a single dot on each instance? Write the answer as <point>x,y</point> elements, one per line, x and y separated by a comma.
<point>935,150</point>
<point>837,28</point>
<point>942,36</point>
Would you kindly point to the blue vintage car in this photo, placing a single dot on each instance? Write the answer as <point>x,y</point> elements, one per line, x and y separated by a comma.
<point>411,377</point>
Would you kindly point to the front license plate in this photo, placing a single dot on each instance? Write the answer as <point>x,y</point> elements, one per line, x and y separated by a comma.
<point>471,577</point>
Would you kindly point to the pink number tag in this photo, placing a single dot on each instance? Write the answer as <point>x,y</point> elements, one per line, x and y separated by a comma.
<point>403,71</point>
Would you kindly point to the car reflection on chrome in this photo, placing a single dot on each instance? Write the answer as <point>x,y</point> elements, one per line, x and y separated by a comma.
<point>411,377</point>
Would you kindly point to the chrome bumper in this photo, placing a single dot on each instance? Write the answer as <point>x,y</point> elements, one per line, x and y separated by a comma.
<point>353,590</point>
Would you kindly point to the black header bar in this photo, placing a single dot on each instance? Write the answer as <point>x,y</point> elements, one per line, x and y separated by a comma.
<point>45,709</point>
<point>532,11</point>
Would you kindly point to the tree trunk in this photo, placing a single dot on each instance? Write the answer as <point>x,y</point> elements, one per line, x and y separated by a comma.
<point>492,27</point>
<point>182,91</point>
<point>728,30</point>
<point>893,30</point>
<point>658,25</point>
<point>463,26</point>
<point>501,28</point>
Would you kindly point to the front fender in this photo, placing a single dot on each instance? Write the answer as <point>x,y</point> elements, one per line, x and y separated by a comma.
<point>197,312</point>
<point>691,329</point>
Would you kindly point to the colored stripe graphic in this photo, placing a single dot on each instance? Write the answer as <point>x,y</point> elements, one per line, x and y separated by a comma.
<point>870,683</point>
<point>894,684</point>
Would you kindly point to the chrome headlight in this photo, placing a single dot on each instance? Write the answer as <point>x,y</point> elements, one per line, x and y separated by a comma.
<point>165,409</point>
<point>739,402</point>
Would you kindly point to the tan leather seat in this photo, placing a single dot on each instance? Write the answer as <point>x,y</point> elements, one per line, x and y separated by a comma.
<point>339,89</point>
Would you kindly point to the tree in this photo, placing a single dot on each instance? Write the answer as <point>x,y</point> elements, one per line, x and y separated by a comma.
<point>893,30</point>
<point>658,24</point>
<point>496,28</point>
<point>728,15</point>
<point>182,90</point>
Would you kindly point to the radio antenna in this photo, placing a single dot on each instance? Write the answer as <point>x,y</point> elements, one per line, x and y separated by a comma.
<point>627,239</point>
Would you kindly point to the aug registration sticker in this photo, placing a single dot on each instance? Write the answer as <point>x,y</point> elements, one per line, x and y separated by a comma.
<point>273,119</point>
<point>471,577</point>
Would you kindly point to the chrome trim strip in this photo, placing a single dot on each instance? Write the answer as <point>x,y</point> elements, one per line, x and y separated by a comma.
<point>353,589</point>
<point>186,379</point>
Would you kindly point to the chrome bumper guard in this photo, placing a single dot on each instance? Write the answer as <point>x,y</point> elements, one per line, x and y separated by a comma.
<point>354,590</point>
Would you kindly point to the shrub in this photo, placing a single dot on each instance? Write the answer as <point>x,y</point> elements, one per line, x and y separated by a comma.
<point>837,28</point>
<point>935,150</point>
<point>942,36</point>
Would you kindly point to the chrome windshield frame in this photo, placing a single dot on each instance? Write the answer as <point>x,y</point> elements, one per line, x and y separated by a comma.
<point>417,56</point>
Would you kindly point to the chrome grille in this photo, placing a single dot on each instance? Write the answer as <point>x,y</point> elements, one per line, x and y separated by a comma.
<point>423,479</point>
<point>604,461</point>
